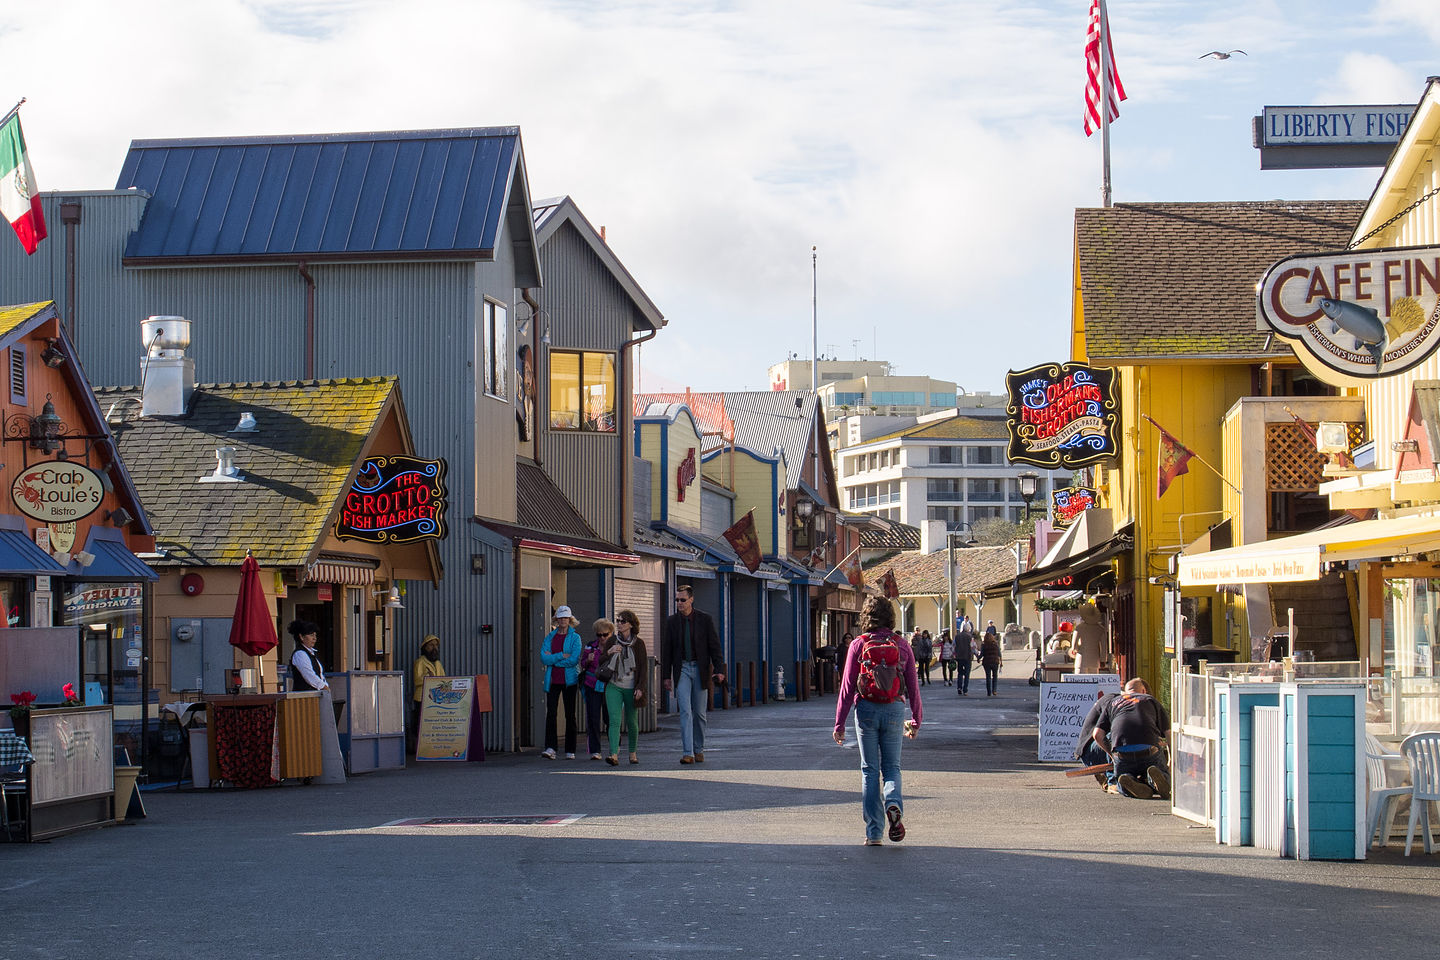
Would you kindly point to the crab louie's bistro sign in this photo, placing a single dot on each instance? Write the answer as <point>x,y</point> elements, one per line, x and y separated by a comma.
<point>1357,315</point>
<point>395,500</point>
<point>57,491</point>
<point>1062,415</point>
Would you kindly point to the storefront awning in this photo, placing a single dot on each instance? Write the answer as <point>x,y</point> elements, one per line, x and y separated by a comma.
<point>1077,560</point>
<point>1300,557</point>
<point>337,570</point>
<point>20,557</point>
<point>113,561</point>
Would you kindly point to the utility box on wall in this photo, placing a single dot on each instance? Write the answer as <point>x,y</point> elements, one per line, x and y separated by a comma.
<point>200,653</point>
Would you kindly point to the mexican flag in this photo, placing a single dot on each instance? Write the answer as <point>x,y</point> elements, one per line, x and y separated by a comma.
<point>19,197</point>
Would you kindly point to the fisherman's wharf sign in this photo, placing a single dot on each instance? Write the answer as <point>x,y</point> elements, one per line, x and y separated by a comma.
<point>1062,415</point>
<point>1357,315</point>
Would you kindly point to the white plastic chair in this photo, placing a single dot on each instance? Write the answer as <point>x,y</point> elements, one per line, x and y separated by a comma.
<point>1422,752</point>
<point>1384,798</point>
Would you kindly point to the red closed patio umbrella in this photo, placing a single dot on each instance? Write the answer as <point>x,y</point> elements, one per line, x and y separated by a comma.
<point>253,628</point>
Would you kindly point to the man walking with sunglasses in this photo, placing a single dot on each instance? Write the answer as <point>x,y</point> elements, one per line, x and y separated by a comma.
<point>691,660</point>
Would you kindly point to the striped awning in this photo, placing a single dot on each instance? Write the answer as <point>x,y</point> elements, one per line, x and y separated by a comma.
<point>347,573</point>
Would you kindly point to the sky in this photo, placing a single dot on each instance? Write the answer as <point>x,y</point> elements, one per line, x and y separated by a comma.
<point>930,152</point>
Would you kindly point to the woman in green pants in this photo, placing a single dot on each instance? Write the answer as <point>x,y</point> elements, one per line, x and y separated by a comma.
<point>626,688</point>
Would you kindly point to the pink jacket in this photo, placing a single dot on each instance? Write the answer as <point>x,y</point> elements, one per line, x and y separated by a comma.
<point>848,684</point>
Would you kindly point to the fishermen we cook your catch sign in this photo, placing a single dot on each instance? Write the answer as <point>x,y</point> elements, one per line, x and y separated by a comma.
<point>1356,315</point>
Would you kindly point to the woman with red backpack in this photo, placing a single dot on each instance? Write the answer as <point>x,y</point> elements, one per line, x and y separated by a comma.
<point>879,682</point>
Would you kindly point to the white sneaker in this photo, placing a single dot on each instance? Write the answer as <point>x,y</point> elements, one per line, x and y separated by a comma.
<point>569,756</point>
<point>547,754</point>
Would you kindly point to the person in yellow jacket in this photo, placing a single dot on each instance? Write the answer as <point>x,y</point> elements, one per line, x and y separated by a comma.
<point>426,665</point>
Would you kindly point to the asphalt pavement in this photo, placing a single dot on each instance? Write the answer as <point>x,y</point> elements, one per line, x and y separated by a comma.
<point>755,853</point>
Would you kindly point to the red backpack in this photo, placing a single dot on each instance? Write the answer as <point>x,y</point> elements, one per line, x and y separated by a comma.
<point>879,680</point>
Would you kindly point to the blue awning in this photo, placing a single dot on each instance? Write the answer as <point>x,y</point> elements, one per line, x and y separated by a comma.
<point>113,561</point>
<point>20,557</point>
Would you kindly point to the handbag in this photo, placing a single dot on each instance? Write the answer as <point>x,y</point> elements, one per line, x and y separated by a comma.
<point>605,672</point>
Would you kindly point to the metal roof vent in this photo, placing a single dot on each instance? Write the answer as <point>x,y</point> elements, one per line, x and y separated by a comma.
<point>225,470</point>
<point>246,424</point>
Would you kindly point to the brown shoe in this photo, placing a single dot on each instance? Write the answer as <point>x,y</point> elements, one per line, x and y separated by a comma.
<point>699,756</point>
<point>687,759</point>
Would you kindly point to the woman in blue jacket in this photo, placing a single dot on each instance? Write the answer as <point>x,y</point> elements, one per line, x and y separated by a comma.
<point>560,655</point>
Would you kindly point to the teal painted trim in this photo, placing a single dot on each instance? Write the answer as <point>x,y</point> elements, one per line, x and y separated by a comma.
<point>1323,705</point>
<point>665,473</point>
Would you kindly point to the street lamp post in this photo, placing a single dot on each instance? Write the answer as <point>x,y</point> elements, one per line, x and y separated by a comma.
<point>1029,483</point>
<point>950,536</point>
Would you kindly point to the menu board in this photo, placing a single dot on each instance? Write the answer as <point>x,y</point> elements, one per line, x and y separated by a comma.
<point>1063,707</point>
<point>446,707</point>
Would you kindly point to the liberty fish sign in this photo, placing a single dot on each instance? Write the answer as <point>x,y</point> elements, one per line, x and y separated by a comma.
<point>395,500</point>
<point>1061,414</point>
<point>1357,315</point>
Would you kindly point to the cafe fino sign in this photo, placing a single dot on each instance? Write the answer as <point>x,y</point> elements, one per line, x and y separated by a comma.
<point>57,491</point>
<point>1358,315</point>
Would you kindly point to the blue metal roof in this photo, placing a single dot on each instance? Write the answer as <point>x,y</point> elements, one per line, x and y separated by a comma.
<point>407,194</point>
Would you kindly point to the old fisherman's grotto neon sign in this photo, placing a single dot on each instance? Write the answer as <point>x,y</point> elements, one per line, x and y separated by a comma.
<point>395,500</point>
<point>1357,315</point>
<point>1062,415</point>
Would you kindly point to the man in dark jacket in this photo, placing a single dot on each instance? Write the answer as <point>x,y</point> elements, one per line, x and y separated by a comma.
<point>691,659</point>
<point>1131,729</point>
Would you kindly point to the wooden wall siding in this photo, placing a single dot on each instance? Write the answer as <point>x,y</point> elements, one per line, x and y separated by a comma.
<point>587,310</point>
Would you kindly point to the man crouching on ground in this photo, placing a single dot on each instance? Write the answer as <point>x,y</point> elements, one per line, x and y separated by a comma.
<point>1131,730</point>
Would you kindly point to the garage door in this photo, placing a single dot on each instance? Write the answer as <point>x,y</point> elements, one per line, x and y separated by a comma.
<point>644,598</point>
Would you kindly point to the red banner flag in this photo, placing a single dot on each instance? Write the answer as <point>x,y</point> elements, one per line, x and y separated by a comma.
<point>1092,71</point>
<point>1174,460</point>
<point>888,586</point>
<point>853,573</point>
<point>746,542</point>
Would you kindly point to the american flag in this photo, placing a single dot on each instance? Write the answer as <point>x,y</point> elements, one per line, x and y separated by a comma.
<point>1092,72</point>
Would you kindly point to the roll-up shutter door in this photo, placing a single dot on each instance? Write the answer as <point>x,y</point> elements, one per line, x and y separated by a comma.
<point>643,598</point>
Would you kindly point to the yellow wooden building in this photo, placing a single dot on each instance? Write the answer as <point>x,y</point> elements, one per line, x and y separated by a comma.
<point>1165,292</point>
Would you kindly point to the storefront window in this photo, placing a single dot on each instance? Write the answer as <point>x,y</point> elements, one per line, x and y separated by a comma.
<point>1408,635</point>
<point>582,391</point>
<point>12,598</point>
<point>112,647</point>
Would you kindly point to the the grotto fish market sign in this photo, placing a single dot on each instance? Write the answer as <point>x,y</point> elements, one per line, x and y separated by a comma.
<point>1062,414</point>
<point>1356,315</point>
<point>395,500</point>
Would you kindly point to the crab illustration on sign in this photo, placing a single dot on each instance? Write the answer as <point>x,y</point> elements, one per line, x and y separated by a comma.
<point>1062,415</point>
<point>1356,315</point>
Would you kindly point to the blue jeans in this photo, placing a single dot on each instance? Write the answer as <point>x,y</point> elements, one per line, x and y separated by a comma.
<point>962,675</point>
<point>992,679</point>
<point>1137,763</point>
<point>690,692</point>
<point>878,729</point>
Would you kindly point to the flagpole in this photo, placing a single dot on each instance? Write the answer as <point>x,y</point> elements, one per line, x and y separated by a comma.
<point>1104,107</point>
<point>1196,456</point>
<point>13,110</point>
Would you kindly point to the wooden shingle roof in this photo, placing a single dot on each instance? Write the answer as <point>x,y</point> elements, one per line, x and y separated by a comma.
<point>296,466</point>
<point>1177,280</point>
<point>924,574</point>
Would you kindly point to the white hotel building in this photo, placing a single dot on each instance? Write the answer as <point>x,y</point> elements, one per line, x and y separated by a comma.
<point>943,466</point>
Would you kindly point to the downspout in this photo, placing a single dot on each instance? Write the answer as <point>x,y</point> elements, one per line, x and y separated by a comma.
<point>309,320</point>
<point>70,216</point>
<point>626,444</point>
<point>529,299</point>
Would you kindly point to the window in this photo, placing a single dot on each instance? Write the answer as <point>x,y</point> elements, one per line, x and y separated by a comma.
<point>941,491</point>
<point>942,399</point>
<point>582,391</point>
<point>17,375</point>
<point>493,360</point>
<point>945,454</point>
<point>989,490</point>
<point>983,455</point>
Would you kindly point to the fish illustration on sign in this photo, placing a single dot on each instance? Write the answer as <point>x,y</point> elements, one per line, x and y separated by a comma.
<point>1362,323</point>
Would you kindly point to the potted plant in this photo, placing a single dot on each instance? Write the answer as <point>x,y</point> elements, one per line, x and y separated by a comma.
<point>20,713</point>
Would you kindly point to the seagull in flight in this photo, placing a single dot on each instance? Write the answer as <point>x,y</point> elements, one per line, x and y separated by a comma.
<point>1221,54</point>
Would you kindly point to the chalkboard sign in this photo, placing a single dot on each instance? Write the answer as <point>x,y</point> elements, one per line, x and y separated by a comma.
<point>1062,712</point>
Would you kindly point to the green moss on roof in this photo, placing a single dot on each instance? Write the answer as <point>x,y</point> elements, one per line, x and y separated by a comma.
<point>954,428</point>
<point>12,316</point>
<point>310,435</point>
<point>1177,279</point>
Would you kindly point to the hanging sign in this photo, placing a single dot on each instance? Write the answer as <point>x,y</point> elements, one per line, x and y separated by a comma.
<point>1070,502</point>
<point>1062,415</point>
<point>395,500</point>
<point>1357,315</point>
<point>57,491</point>
<point>684,475</point>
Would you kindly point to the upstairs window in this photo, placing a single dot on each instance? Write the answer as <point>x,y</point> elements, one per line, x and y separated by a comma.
<point>582,391</point>
<point>493,359</point>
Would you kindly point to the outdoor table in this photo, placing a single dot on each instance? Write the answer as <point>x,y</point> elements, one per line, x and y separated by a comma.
<point>14,750</point>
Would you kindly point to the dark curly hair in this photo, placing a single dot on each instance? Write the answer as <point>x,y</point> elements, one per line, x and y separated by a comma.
<point>877,613</point>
